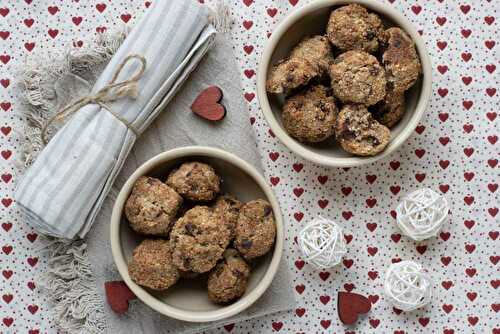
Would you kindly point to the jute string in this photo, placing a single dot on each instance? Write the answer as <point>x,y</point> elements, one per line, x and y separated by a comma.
<point>109,93</point>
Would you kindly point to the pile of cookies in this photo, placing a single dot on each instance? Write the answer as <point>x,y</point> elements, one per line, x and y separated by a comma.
<point>349,83</point>
<point>192,230</point>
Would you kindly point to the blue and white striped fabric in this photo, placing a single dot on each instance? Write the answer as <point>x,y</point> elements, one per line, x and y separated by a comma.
<point>63,190</point>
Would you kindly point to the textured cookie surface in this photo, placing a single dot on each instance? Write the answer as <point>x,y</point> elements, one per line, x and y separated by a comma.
<point>198,240</point>
<point>256,229</point>
<point>195,181</point>
<point>316,49</point>
<point>228,208</point>
<point>289,74</point>
<point>152,206</point>
<point>151,265</point>
<point>359,133</point>
<point>229,279</point>
<point>309,116</point>
<point>351,27</point>
<point>390,110</point>
<point>357,77</point>
<point>400,59</point>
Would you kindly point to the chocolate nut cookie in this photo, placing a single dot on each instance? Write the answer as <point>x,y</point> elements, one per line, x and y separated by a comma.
<point>228,208</point>
<point>198,240</point>
<point>351,27</point>
<point>256,229</point>
<point>152,206</point>
<point>151,265</point>
<point>316,49</point>
<point>229,279</point>
<point>400,59</point>
<point>390,110</point>
<point>357,77</point>
<point>195,181</point>
<point>359,133</point>
<point>310,116</point>
<point>289,74</point>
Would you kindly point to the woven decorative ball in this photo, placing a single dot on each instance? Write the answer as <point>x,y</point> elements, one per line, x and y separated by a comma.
<point>407,285</point>
<point>322,243</point>
<point>422,213</point>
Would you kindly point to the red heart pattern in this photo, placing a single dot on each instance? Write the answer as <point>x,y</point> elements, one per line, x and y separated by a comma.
<point>453,150</point>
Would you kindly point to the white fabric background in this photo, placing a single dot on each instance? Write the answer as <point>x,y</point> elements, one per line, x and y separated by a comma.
<point>454,150</point>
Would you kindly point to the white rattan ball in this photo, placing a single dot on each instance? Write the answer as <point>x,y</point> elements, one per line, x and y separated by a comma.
<point>422,213</point>
<point>407,285</point>
<point>322,243</point>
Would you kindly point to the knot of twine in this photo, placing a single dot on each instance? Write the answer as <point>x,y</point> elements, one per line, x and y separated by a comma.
<point>421,214</point>
<point>407,285</point>
<point>322,243</point>
<point>109,93</point>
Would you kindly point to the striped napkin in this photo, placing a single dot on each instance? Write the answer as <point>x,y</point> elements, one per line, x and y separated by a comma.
<point>63,190</point>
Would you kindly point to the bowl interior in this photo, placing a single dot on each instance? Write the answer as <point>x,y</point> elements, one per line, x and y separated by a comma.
<point>313,23</point>
<point>191,294</point>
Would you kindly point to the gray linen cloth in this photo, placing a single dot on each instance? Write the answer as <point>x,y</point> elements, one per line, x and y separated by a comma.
<point>177,126</point>
<point>62,192</point>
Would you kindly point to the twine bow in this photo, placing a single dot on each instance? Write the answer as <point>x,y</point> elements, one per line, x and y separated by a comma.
<point>109,93</point>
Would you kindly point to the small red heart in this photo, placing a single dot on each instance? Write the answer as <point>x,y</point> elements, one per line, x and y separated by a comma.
<point>322,179</point>
<point>274,180</point>
<point>118,294</point>
<point>207,104</point>
<point>350,305</point>
<point>324,275</point>
<point>300,312</point>
<point>447,284</point>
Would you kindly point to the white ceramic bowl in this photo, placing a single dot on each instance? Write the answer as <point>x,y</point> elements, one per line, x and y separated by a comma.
<point>309,20</point>
<point>188,300</point>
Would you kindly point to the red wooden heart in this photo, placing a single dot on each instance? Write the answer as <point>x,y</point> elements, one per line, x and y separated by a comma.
<point>118,294</point>
<point>207,104</point>
<point>349,305</point>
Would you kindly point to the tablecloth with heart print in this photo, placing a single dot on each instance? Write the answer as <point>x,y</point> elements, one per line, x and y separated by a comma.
<point>454,150</point>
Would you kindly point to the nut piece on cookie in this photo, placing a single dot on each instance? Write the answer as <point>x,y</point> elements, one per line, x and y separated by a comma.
<point>289,74</point>
<point>256,229</point>
<point>316,49</point>
<point>400,59</point>
<point>351,27</point>
<point>152,206</point>
<point>195,181</point>
<point>198,240</point>
<point>357,77</point>
<point>309,116</point>
<point>228,208</point>
<point>359,133</point>
<point>390,110</point>
<point>229,279</point>
<point>151,265</point>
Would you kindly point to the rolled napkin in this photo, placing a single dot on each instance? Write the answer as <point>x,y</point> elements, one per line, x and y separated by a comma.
<point>63,190</point>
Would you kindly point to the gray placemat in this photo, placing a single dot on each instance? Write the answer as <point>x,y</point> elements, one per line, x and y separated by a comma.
<point>178,126</point>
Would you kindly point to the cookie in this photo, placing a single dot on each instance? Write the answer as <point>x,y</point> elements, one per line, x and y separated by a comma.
<point>228,208</point>
<point>228,281</point>
<point>310,116</point>
<point>289,74</point>
<point>351,27</point>
<point>316,49</point>
<point>357,77</point>
<point>256,229</point>
<point>198,240</point>
<point>359,133</point>
<point>195,181</point>
<point>390,110</point>
<point>152,206</point>
<point>400,59</point>
<point>151,265</point>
